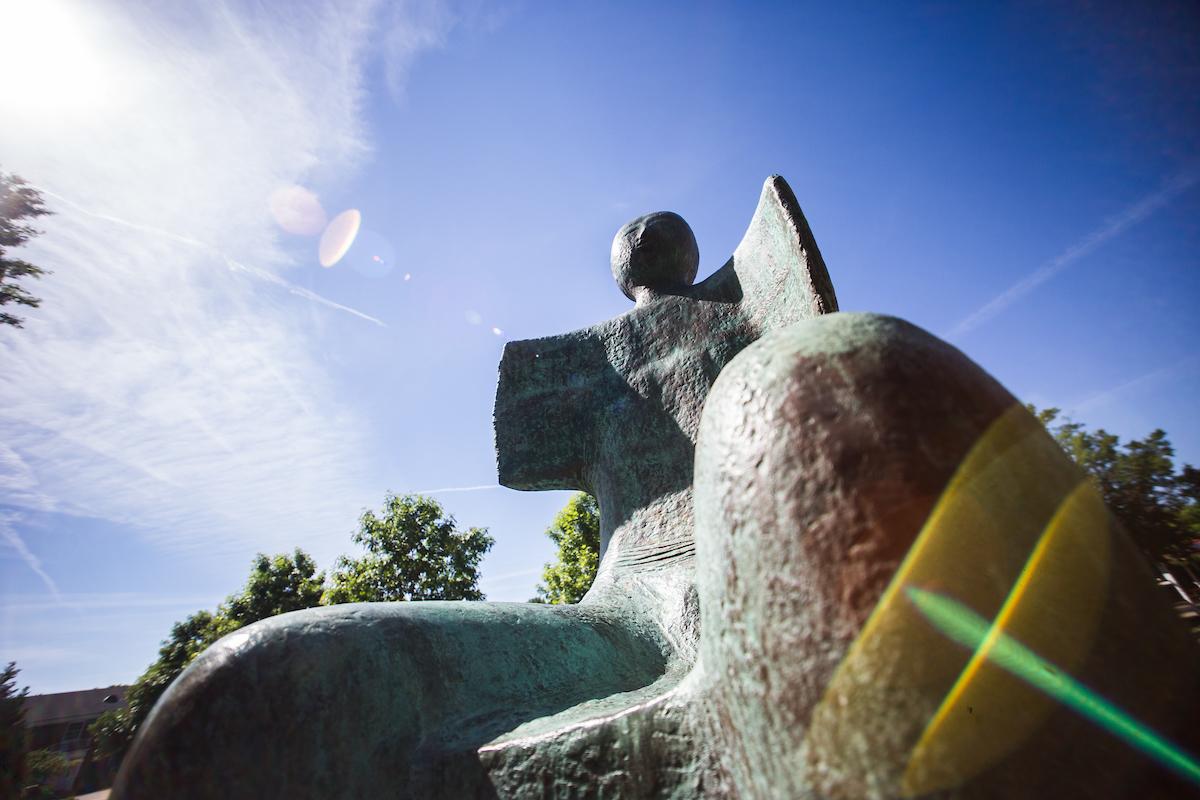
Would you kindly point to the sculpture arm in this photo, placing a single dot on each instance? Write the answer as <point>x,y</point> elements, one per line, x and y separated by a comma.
<point>375,699</point>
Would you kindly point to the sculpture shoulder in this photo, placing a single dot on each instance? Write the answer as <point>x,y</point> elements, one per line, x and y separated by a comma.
<point>849,403</point>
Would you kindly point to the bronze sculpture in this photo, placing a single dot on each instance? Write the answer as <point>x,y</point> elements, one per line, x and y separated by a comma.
<point>748,633</point>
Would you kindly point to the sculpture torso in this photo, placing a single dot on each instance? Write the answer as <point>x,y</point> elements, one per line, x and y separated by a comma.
<point>614,409</point>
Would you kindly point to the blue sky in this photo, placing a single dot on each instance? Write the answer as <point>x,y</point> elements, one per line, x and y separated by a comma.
<point>1022,179</point>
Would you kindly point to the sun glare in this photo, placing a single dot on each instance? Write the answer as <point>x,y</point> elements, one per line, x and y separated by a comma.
<point>49,61</point>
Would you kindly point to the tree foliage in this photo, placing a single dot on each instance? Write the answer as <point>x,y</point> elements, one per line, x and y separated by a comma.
<point>18,202</point>
<point>1158,506</point>
<point>44,766</point>
<point>13,740</point>
<point>276,585</point>
<point>414,552</point>
<point>576,532</point>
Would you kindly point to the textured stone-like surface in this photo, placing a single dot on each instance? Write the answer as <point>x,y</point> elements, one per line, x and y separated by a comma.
<point>825,451</point>
<point>377,699</point>
<point>614,410</point>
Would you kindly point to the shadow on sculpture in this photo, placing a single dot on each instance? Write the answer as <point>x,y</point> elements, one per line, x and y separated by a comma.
<point>839,560</point>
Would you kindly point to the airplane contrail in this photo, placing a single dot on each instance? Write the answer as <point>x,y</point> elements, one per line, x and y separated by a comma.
<point>523,573</point>
<point>1100,398</point>
<point>230,262</point>
<point>1113,227</point>
<point>450,489</point>
<point>14,540</point>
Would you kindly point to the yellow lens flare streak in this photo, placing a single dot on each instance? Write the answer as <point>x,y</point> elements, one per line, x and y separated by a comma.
<point>1055,605</point>
<point>964,626</point>
<point>896,674</point>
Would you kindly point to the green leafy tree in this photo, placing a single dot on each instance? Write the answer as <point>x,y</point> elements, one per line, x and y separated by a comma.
<point>576,532</point>
<point>1189,515</point>
<point>1158,507</point>
<point>414,551</point>
<point>18,202</point>
<point>276,585</point>
<point>43,767</point>
<point>13,739</point>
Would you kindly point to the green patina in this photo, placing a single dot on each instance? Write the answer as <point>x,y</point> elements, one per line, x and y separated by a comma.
<point>779,499</point>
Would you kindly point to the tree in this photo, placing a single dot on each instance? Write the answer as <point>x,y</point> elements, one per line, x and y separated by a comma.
<point>43,767</point>
<point>1157,506</point>
<point>13,740</point>
<point>276,585</point>
<point>414,552</point>
<point>576,531</point>
<point>18,201</point>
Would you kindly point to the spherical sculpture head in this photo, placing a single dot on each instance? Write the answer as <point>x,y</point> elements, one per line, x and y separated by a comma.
<point>655,251</point>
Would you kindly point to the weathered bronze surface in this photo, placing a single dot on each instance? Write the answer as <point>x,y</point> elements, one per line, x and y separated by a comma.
<point>848,461</point>
<point>752,630</point>
<point>614,410</point>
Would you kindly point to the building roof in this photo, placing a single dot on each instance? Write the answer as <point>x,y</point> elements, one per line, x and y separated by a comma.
<point>47,709</point>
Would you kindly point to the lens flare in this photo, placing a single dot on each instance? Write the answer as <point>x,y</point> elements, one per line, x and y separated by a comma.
<point>339,235</point>
<point>372,255</point>
<point>1055,605</point>
<point>1018,536</point>
<point>297,210</point>
<point>972,631</point>
<point>993,512</point>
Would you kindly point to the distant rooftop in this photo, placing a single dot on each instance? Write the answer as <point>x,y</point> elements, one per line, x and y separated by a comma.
<point>87,704</point>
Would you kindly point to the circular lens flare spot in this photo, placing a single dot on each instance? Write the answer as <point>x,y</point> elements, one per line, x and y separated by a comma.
<point>372,255</point>
<point>339,235</point>
<point>297,210</point>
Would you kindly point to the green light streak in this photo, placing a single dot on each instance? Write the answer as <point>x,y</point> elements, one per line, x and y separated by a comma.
<point>969,629</point>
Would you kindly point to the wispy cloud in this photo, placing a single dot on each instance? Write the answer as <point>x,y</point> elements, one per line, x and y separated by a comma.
<point>164,383</point>
<point>95,601</point>
<point>13,539</point>
<point>1112,228</point>
<point>26,655</point>
<point>413,28</point>
<point>19,484</point>
<point>257,272</point>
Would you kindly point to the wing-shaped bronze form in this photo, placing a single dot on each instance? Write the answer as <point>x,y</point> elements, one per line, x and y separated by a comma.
<point>776,273</point>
